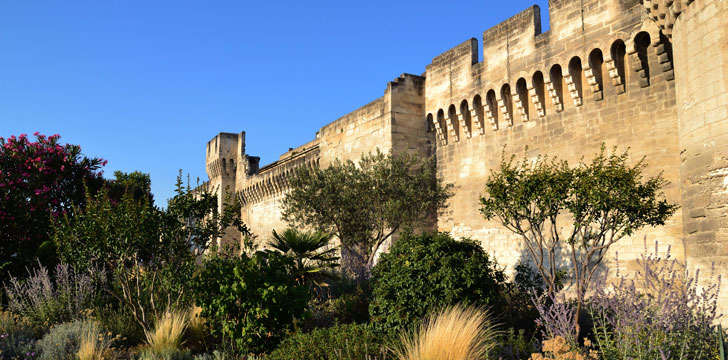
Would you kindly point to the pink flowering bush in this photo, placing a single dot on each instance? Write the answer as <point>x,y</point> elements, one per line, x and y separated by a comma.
<point>39,180</point>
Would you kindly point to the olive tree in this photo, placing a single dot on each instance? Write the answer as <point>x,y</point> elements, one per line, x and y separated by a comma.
<point>603,200</point>
<point>364,203</point>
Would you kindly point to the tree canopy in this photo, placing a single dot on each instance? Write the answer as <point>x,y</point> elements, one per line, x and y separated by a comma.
<point>364,203</point>
<point>603,200</point>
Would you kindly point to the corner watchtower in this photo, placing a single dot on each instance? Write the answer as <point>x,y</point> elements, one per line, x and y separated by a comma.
<point>224,154</point>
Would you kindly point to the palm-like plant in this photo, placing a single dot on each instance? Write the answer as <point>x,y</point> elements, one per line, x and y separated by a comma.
<point>310,250</point>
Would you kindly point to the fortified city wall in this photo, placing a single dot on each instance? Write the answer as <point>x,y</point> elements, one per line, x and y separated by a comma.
<point>393,122</point>
<point>600,75</point>
<point>651,76</point>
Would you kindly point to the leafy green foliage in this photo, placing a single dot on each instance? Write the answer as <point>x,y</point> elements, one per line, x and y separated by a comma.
<point>346,342</point>
<point>16,346</point>
<point>343,307</point>
<point>364,204</point>
<point>136,183</point>
<point>428,272</point>
<point>17,337</point>
<point>527,198</point>
<point>605,200</point>
<point>148,250</point>
<point>518,310</point>
<point>516,345</point>
<point>250,301</point>
<point>119,321</point>
<point>313,257</point>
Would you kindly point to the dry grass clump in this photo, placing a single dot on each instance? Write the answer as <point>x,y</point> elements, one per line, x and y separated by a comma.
<point>168,331</point>
<point>455,333</point>
<point>94,344</point>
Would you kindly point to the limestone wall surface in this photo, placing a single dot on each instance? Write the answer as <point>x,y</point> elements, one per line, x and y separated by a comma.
<point>597,76</point>
<point>700,36</point>
<point>649,75</point>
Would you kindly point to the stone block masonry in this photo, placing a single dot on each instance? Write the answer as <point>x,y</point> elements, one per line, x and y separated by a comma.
<point>651,76</point>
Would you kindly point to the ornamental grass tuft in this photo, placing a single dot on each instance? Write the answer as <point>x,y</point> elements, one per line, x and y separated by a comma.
<point>168,330</point>
<point>455,333</point>
<point>94,343</point>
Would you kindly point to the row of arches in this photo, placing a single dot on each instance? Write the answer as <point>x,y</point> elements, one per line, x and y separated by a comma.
<point>548,91</point>
<point>274,181</point>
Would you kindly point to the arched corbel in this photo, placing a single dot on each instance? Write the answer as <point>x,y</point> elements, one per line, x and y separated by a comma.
<point>461,121</point>
<point>573,91</point>
<point>554,95</point>
<point>451,127</point>
<point>479,128</point>
<point>537,104</point>
<point>504,110</point>
<point>438,131</point>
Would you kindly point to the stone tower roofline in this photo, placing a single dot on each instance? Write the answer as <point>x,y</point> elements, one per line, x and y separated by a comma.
<point>223,154</point>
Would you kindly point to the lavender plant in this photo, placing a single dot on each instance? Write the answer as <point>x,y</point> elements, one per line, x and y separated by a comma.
<point>556,316</point>
<point>46,300</point>
<point>662,313</point>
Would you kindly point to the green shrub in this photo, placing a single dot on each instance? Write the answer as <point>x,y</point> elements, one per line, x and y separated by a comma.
<point>341,306</point>
<point>518,311</point>
<point>165,354</point>
<point>11,323</point>
<point>63,341</point>
<point>16,346</point>
<point>516,345</point>
<point>215,355</point>
<point>120,322</point>
<point>16,337</point>
<point>250,301</point>
<point>346,342</point>
<point>427,272</point>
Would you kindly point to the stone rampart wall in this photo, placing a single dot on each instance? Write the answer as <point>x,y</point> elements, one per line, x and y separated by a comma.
<point>602,74</point>
<point>598,76</point>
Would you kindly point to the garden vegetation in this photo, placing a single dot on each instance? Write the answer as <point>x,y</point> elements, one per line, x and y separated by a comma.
<point>92,269</point>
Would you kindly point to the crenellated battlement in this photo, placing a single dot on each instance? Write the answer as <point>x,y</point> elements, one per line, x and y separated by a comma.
<point>528,75</point>
<point>273,179</point>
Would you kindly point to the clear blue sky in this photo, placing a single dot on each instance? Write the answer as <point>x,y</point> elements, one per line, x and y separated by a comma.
<point>145,84</point>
